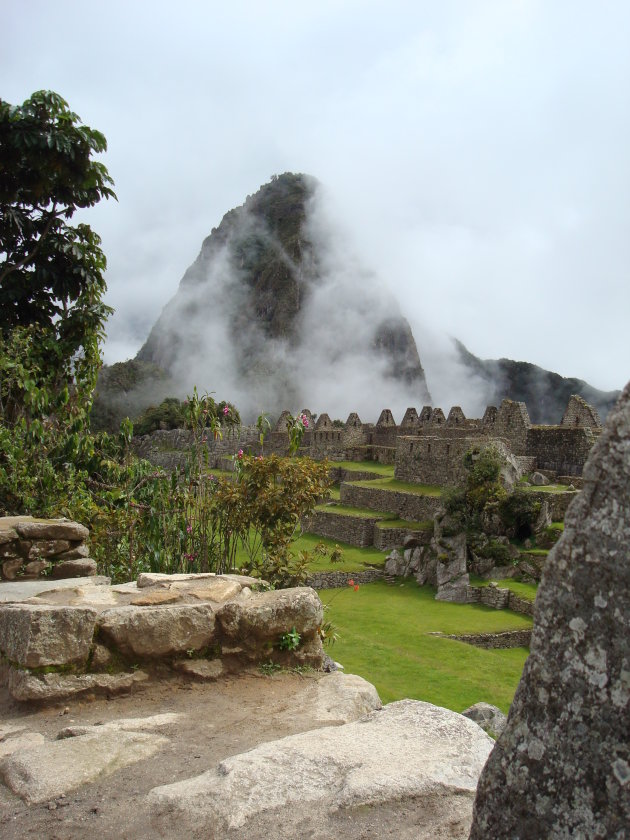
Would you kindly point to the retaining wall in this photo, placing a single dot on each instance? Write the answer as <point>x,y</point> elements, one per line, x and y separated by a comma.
<point>412,506</point>
<point>355,530</point>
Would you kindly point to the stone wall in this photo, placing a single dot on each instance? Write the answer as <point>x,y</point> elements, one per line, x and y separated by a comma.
<point>563,449</point>
<point>355,530</point>
<point>339,580</point>
<point>34,548</point>
<point>169,448</point>
<point>508,639</point>
<point>499,598</point>
<point>385,538</point>
<point>412,506</point>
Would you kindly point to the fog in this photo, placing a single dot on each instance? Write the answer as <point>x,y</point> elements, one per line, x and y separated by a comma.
<point>476,152</point>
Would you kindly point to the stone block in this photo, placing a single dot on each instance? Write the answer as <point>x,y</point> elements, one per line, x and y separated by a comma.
<point>24,686</point>
<point>160,631</point>
<point>49,529</point>
<point>44,548</point>
<point>37,636</point>
<point>80,567</point>
<point>267,615</point>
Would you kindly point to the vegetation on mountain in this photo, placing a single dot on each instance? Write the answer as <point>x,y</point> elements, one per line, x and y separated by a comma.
<point>545,393</point>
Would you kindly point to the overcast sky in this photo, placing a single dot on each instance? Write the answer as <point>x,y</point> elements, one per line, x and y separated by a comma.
<point>477,153</point>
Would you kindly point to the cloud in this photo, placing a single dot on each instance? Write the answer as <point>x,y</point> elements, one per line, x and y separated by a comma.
<point>477,151</point>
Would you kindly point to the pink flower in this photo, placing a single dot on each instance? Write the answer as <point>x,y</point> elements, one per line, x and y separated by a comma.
<point>260,457</point>
<point>188,529</point>
<point>350,582</point>
<point>213,478</point>
<point>204,439</point>
<point>226,409</point>
<point>240,453</point>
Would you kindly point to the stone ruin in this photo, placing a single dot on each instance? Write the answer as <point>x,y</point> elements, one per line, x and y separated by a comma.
<point>426,448</point>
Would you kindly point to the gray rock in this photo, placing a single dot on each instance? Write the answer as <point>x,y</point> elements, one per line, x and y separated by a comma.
<point>491,719</point>
<point>24,686</point>
<point>21,742</point>
<point>153,632</point>
<point>76,567</point>
<point>562,767</point>
<point>539,480</point>
<point>46,771</point>
<point>204,670</point>
<point>36,549</point>
<point>340,698</point>
<point>11,568</point>
<point>409,751</point>
<point>36,636</point>
<point>270,614</point>
<point>29,528</point>
<point>123,725</point>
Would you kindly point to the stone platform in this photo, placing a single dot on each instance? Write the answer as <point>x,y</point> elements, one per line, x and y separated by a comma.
<point>79,637</point>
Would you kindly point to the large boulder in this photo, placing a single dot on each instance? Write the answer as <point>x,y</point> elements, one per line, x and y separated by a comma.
<point>317,784</point>
<point>562,766</point>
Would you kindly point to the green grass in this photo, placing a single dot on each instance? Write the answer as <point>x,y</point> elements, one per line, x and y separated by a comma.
<point>425,525</point>
<point>365,466</point>
<point>384,636</point>
<point>361,513</point>
<point>547,488</point>
<point>354,559</point>
<point>527,591</point>
<point>540,552</point>
<point>557,526</point>
<point>405,486</point>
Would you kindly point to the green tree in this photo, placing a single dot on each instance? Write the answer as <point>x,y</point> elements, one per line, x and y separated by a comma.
<point>52,313</point>
<point>51,271</point>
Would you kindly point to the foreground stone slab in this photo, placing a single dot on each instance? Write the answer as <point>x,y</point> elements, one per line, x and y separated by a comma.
<point>49,770</point>
<point>408,751</point>
<point>38,636</point>
<point>561,769</point>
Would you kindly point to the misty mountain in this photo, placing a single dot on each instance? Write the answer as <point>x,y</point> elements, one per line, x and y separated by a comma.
<point>276,312</point>
<point>545,393</point>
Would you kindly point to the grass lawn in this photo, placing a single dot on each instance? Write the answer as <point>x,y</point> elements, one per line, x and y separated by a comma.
<point>362,513</point>
<point>365,466</point>
<point>354,559</point>
<point>546,488</point>
<point>424,525</point>
<point>405,486</point>
<point>384,637</point>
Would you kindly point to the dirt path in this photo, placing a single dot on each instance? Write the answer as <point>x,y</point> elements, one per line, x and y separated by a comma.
<point>220,719</point>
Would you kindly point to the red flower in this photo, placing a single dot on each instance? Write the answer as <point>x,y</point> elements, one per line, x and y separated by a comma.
<point>350,582</point>
<point>356,587</point>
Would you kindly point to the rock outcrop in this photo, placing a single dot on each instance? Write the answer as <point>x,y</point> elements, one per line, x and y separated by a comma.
<point>271,303</point>
<point>562,767</point>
